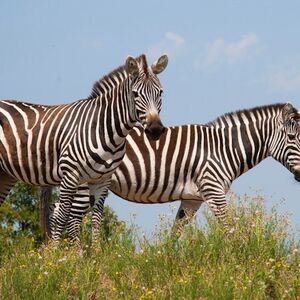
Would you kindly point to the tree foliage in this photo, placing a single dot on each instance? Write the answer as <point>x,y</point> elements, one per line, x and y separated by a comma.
<point>19,216</point>
<point>19,213</point>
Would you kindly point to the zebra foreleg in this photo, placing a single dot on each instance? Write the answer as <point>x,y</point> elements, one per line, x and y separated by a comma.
<point>217,204</point>
<point>73,228</point>
<point>67,193</point>
<point>80,207</point>
<point>214,194</point>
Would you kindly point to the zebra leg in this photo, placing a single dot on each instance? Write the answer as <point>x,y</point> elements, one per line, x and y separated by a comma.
<point>213,191</point>
<point>97,214</point>
<point>80,207</point>
<point>6,184</point>
<point>53,209</point>
<point>186,212</point>
<point>216,200</point>
<point>98,195</point>
<point>218,206</point>
<point>68,189</point>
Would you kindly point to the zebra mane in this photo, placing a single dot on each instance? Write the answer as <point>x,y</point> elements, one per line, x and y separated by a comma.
<point>272,107</point>
<point>120,73</point>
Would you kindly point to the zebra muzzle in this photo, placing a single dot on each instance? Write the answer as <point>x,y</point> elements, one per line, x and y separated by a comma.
<point>297,175</point>
<point>154,129</point>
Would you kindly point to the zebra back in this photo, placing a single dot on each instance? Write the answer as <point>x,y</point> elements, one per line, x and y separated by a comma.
<point>188,156</point>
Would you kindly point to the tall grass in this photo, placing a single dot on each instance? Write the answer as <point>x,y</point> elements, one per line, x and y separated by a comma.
<point>256,259</point>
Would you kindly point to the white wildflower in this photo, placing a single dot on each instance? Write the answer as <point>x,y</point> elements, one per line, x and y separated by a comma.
<point>231,230</point>
<point>62,259</point>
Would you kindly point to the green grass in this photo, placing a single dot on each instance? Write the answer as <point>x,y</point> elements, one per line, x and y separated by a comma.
<point>257,259</point>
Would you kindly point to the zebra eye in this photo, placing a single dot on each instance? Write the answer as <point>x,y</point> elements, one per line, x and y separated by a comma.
<point>135,94</point>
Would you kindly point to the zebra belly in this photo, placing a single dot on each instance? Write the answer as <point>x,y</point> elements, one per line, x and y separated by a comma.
<point>132,192</point>
<point>32,172</point>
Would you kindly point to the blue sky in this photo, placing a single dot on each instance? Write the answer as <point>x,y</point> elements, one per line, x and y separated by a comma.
<point>223,56</point>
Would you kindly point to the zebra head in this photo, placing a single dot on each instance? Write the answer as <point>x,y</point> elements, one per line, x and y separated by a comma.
<point>288,146</point>
<point>146,91</point>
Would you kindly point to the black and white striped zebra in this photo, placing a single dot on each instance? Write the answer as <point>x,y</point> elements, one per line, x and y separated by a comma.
<point>82,142</point>
<point>198,163</point>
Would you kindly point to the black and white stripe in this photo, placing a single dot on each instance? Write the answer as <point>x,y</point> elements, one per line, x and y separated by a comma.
<point>82,142</point>
<point>198,163</point>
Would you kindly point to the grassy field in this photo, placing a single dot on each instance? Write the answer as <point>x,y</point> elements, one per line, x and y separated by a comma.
<point>257,259</point>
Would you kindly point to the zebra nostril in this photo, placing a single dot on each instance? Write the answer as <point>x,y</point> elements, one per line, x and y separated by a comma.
<point>155,130</point>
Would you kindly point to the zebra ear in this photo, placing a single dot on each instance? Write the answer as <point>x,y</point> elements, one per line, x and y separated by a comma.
<point>132,66</point>
<point>160,64</point>
<point>288,112</point>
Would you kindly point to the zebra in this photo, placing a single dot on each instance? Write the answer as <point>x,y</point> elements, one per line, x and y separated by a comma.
<point>198,163</point>
<point>68,145</point>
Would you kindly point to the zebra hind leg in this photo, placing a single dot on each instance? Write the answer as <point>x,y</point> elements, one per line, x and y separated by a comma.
<point>186,211</point>
<point>98,196</point>
<point>6,184</point>
<point>98,215</point>
<point>53,210</point>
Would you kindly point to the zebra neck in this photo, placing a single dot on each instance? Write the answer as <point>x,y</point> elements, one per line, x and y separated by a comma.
<point>123,112</point>
<point>113,119</point>
<point>114,91</point>
<point>245,140</point>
